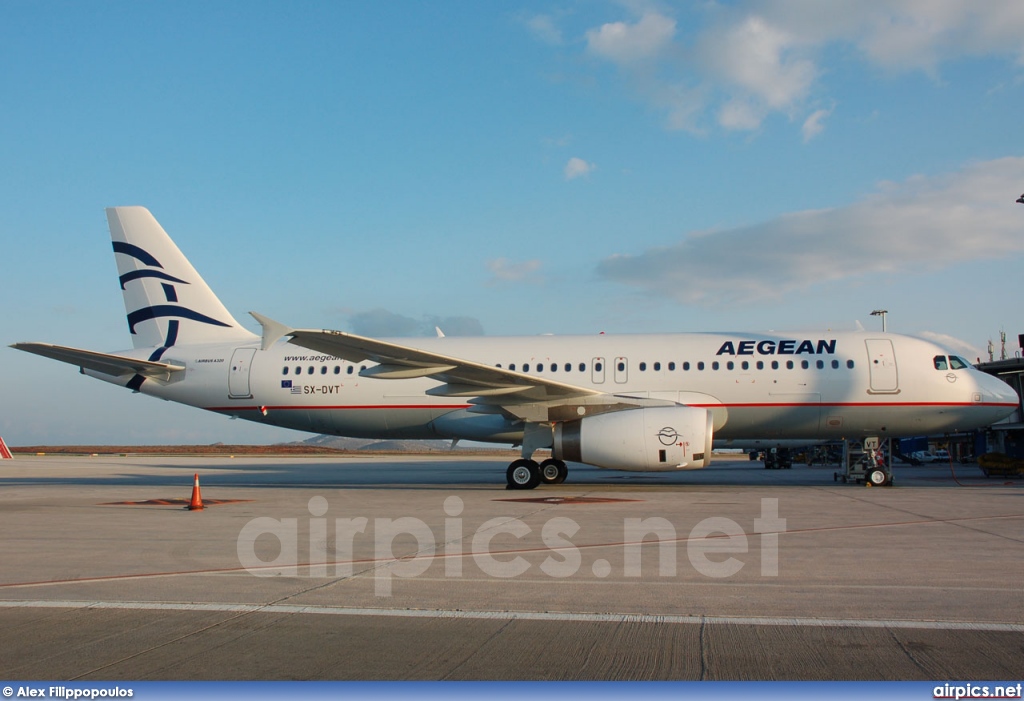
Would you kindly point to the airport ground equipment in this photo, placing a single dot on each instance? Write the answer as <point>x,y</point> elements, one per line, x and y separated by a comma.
<point>778,459</point>
<point>869,462</point>
<point>1001,465</point>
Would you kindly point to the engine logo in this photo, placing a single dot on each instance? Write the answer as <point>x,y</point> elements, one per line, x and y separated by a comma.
<point>668,435</point>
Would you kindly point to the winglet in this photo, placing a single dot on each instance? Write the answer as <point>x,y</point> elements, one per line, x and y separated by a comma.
<point>273,331</point>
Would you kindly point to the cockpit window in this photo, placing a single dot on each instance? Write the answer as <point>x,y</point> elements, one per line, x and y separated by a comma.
<point>958,363</point>
<point>940,362</point>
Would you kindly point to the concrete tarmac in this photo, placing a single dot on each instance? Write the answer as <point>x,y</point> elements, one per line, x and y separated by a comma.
<point>427,568</point>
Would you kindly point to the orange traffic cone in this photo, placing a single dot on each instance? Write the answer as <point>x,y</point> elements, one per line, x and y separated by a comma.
<point>197,498</point>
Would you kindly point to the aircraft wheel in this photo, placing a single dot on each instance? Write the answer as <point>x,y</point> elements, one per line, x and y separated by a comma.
<point>877,478</point>
<point>553,471</point>
<point>523,474</point>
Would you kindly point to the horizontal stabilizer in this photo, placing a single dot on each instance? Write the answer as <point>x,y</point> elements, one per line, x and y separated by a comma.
<point>105,363</point>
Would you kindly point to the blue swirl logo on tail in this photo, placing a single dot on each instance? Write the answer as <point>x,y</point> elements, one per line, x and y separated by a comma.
<point>170,293</point>
<point>172,309</point>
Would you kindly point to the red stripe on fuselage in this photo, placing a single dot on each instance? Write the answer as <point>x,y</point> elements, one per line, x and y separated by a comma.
<point>751,405</point>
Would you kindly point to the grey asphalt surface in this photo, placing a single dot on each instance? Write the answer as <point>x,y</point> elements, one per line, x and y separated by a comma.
<point>427,568</point>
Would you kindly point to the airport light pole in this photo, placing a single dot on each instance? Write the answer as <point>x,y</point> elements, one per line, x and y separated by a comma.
<point>881,313</point>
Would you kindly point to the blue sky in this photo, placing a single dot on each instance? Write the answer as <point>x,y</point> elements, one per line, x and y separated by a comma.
<point>505,168</point>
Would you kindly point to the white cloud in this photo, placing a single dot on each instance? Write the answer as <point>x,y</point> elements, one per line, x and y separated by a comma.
<point>577,168</point>
<point>740,115</point>
<point>543,27</point>
<point>505,270</point>
<point>627,43</point>
<point>958,346</point>
<point>813,124</point>
<point>745,61</point>
<point>919,35</point>
<point>761,60</point>
<point>920,225</point>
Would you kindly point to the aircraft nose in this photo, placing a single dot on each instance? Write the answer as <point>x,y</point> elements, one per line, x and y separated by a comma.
<point>997,391</point>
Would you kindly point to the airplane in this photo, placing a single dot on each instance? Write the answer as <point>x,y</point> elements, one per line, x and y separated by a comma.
<point>624,402</point>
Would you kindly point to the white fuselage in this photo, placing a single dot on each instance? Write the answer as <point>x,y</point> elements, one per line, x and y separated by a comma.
<point>792,386</point>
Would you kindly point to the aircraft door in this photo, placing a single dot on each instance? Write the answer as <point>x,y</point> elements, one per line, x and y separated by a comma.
<point>597,371</point>
<point>882,365</point>
<point>238,375</point>
<point>621,370</point>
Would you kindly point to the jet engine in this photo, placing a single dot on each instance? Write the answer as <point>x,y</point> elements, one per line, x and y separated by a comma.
<point>647,439</point>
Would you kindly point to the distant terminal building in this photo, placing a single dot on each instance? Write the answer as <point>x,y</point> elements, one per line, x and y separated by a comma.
<point>1007,436</point>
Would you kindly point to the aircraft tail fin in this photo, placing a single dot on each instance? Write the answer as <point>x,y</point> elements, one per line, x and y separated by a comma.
<point>166,300</point>
<point>5,452</point>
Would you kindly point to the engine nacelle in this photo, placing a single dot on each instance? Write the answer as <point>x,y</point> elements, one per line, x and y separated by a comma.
<point>645,440</point>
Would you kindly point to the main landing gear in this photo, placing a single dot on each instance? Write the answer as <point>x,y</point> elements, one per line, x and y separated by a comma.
<point>527,474</point>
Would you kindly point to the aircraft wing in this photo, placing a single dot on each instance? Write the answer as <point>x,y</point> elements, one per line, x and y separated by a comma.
<point>461,378</point>
<point>115,365</point>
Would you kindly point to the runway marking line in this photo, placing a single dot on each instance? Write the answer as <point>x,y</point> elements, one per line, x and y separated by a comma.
<point>565,616</point>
